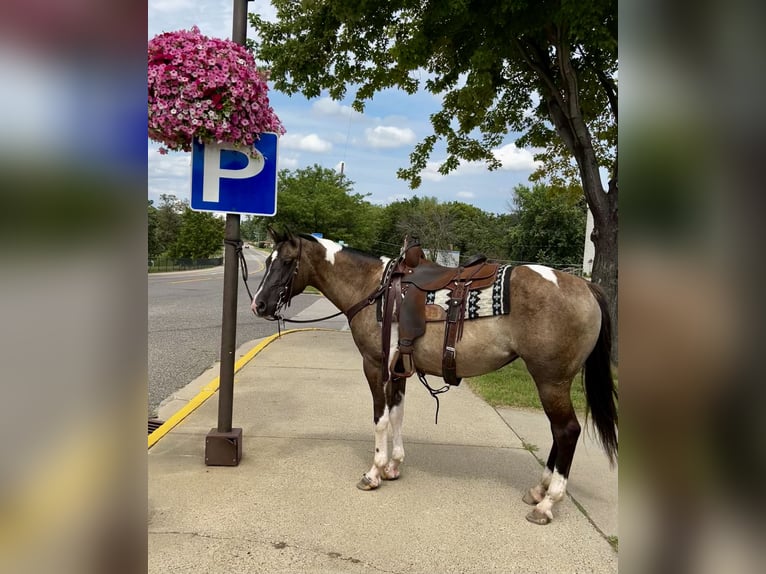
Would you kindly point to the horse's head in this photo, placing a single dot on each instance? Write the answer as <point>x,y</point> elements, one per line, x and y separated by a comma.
<point>282,279</point>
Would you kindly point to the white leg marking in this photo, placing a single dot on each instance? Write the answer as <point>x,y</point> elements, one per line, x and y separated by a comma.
<point>397,417</point>
<point>330,248</point>
<point>391,470</point>
<point>545,273</point>
<point>381,450</point>
<point>556,491</point>
<point>538,492</point>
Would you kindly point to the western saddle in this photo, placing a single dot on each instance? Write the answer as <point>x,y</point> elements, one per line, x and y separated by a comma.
<point>404,286</point>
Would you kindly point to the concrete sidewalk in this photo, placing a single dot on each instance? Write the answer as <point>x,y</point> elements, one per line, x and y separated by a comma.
<point>292,506</point>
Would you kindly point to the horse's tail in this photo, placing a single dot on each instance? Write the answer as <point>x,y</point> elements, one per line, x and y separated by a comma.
<point>600,389</point>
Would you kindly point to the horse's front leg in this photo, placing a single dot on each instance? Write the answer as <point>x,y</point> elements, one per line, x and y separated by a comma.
<point>395,402</point>
<point>380,412</point>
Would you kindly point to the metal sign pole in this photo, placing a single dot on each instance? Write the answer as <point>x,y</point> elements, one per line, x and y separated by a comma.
<point>223,445</point>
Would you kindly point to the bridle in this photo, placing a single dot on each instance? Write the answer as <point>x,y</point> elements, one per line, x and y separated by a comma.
<point>286,289</point>
<point>284,295</point>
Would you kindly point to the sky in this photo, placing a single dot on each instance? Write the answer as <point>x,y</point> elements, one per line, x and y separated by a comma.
<point>371,145</point>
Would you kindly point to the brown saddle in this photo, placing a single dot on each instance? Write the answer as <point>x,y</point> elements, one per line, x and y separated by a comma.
<point>412,278</point>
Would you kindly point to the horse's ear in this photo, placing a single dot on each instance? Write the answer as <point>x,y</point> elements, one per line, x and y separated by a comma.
<point>278,237</point>
<point>289,235</point>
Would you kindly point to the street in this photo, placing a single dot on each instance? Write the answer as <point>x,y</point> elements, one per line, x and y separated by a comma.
<point>185,323</point>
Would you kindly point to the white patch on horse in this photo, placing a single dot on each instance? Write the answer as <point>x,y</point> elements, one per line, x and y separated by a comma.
<point>393,346</point>
<point>397,455</point>
<point>381,450</point>
<point>330,248</point>
<point>385,260</point>
<point>272,258</point>
<point>556,492</point>
<point>538,491</point>
<point>545,273</point>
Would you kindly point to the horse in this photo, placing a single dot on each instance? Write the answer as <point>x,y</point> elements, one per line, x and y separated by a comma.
<point>559,324</point>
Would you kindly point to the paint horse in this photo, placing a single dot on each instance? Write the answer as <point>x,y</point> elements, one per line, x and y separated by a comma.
<point>558,324</point>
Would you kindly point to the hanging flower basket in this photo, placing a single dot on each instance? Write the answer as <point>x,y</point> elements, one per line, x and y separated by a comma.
<point>205,88</point>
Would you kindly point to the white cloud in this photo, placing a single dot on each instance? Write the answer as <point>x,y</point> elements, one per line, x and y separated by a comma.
<point>431,173</point>
<point>287,162</point>
<point>388,136</point>
<point>515,159</point>
<point>511,158</point>
<point>170,5</point>
<point>466,194</point>
<point>329,107</point>
<point>310,142</point>
<point>172,165</point>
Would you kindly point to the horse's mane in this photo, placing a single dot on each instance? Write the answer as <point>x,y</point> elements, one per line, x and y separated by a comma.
<point>346,249</point>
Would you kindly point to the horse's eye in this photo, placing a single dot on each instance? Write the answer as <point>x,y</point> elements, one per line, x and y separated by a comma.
<point>286,262</point>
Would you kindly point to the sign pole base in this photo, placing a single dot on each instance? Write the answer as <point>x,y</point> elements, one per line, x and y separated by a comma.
<point>223,448</point>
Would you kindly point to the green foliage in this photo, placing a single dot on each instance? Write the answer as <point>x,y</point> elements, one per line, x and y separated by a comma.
<point>154,246</point>
<point>551,225</point>
<point>252,228</point>
<point>200,235</point>
<point>320,200</point>
<point>500,66</point>
<point>167,218</point>
<point>475,231</point>
<point>453,226</point>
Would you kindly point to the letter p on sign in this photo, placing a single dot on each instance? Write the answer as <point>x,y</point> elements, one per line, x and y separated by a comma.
<point>225,178</point>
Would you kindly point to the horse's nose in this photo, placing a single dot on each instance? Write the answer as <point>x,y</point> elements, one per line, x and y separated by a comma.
<point>259,307</point>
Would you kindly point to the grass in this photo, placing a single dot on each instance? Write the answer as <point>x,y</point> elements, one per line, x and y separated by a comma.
<point>512,386</point>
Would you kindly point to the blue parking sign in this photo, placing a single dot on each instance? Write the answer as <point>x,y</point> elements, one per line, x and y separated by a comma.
<point>227,179</point>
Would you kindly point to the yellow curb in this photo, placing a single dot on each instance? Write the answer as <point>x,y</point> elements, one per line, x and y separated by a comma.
<point>210,389</point>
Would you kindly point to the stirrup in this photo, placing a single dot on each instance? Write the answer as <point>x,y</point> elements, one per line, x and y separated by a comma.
<point>402,365</point>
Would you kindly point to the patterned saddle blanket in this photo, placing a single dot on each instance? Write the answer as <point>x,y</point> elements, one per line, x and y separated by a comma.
<point>488,302</point>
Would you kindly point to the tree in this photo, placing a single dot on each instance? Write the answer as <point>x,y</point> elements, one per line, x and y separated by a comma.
<point>545,69</point>
<point>475,231</point>
<point>168,219</point>
<point>153,244</point>
<point>199,237</point>
<point>551,225</point>
<point>453,226</point>
<point>253,228</point>
<point>320,200</point>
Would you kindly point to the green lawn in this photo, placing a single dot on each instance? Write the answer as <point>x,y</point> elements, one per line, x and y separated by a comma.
<point>512,386</point>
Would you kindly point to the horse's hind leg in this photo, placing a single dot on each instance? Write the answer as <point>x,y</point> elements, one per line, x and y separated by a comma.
<point>566,430</point>
<point>380,412</point>
<point>395,402</point>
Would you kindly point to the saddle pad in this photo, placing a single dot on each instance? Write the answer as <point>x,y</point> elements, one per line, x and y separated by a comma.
<point>488,302</point>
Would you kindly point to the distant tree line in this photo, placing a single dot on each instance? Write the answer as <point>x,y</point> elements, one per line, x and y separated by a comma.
<point>179,232</point>
<point>544,224</point>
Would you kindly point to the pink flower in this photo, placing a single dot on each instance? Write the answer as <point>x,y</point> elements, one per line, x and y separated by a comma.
<point>206,88</point>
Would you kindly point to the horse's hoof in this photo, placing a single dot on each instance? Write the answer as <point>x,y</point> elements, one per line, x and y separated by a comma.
<point>529,499</point>
<point>390,474</point>
<point>537,517</point>
<point>365,483</point>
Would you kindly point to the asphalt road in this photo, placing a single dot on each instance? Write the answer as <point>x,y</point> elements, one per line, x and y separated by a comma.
<point>185,324</point>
